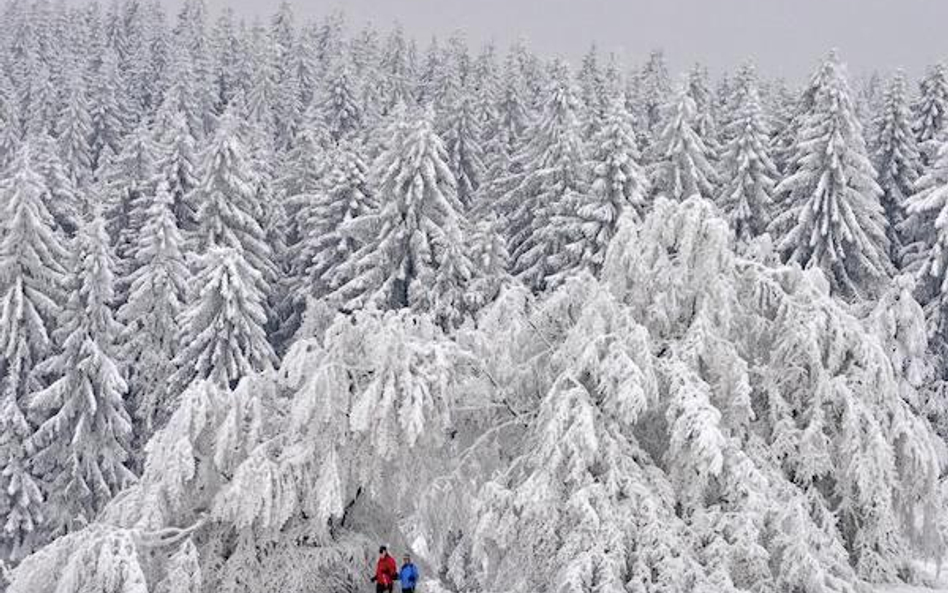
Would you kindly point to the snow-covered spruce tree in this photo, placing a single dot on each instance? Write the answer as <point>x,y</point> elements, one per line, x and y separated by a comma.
<point>222,330</point>
<point>705,121</point>
<point>157,292</point>
<point>748,172</point>
<point>931,112</point>
<point>618,185</point>
<point>896,159</point>
<point>551,182</point>
<point>656,91</point>
<point>81,448</point>
<point>63,199</point>
<point>409,241</point>
<point>32,280</point>
<point>681,165</point>
<point>74,130</point>
<point>462,136</point>
<point>108,110</point>
<point>301,174</point>
<point>343,196</point>
<point>830,216</point>
<point>341,111</point>
<point>926,251</point>
<point>229,210</point>
<point>128,182</point>
<point>176,165</point>
<point>512,112</point>
<point>592,92</point>
<point>490,260</point>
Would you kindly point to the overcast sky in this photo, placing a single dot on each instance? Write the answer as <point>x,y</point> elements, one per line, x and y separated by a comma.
<point>785,37</point>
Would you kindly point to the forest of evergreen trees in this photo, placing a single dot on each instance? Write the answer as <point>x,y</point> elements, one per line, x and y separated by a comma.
<point>273,292</point>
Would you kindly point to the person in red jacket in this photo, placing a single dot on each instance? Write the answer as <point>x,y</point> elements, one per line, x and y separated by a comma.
<point>386,571</point>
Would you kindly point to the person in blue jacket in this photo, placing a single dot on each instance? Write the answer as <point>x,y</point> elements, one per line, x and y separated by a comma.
<point>408,575</point>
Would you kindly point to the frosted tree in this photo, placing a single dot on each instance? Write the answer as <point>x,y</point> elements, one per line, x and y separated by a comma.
<point>176,165</point>
<point>63,199</point>
<point>82,446</point>
<point>749,173</point>
<point>222,330</point>
<point>830,216</point>
<point>108,110</point>
<point>32,281</point>
<point>229,211</point>
<point>128,184</point>
<point>341,111</point>
<point>74,130</point>
<point>302,171</point>
<point>287,105</point>
<point>512,112</point>
<point>553,179</point>
<point>681,160</point>
<point>592,92</point>
<point>40,98</point>
<point>462,138</point>
<point>490,260</point>
<point>656,91</point>
<point>705,122</point>
<point>926,253</point>
<point>415,232</point>
<point>342,197</point>
<point>157,293</point>
<point>618,185</point>
<point>931,112</point>
<point>896,159</point>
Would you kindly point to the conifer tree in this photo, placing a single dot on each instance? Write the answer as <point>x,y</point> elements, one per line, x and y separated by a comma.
<point>222,329</point>
<point>302,172</point>
<point>830,216</point>
<point>176,165</point>
<point>749,172</point>
<point>418,221</point>
<point>553,180</point>
<point>656,91</point>
<point>108,111</point>
<point>340,109</point>
<point>83,444</point>
<point>128,183</point>
<point>342,197</point>
<point>32,281</point>
<point>592,93</point>
<point>618,185</point>
<point>74,131</point>
<point>931,112</point>
<point>705,123</point>
<point>896,159</point>
<point>490,260</point>
<point>681,160</point>
<point>926,251</point>
<point>513,115</point>
<point>229,212</point>
<point>462,138</point>
<point>64,200</point>
<point>157,292</point>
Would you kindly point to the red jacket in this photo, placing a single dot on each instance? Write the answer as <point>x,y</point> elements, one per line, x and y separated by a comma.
<point>386,572</point>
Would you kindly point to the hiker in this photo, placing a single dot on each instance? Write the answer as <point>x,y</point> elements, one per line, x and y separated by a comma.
<point>386,571</point>
<point>408,575</point>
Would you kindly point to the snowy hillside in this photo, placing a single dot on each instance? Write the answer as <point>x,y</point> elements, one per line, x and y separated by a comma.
<point>273,294</point>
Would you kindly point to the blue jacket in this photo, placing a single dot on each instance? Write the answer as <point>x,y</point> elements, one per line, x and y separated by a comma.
<point>408,576</point>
